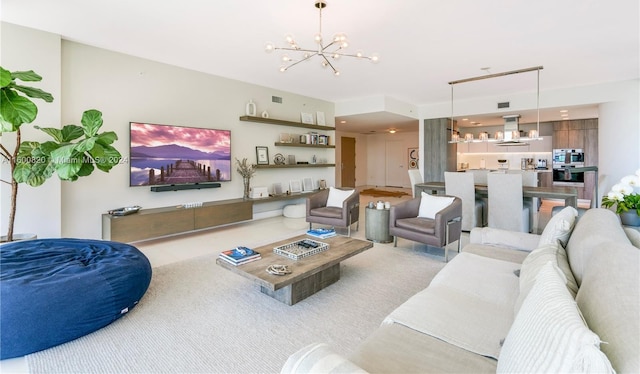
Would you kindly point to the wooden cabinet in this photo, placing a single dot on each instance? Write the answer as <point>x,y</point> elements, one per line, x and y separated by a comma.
<point>157,222</point>
<point>545,178</point>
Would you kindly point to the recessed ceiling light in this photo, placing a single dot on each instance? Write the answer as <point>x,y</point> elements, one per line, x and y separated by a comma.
<point>392,131</point>
<point>343,121</point>
<point>563,111</point>
<point>465,119</point>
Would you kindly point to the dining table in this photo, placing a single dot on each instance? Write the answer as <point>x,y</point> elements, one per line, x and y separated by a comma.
<point>566,193</point>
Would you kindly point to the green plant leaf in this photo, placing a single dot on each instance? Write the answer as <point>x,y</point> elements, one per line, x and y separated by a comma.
<point>15,110</point>
<point>47,147</point>
<point>63,154</point>
<point>91,121</point>
<point>56,134</point>
<point>33,92</point>
<point>26,76</point>
<point>85,145</point>
<point>107,138</point>
<point>69,169</point>
<point>71,132</point>
<point>86,169</point>
<point>110,157</point>
<point>5,77</point>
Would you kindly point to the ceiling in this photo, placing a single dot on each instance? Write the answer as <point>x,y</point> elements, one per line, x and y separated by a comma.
<point>423,44</point>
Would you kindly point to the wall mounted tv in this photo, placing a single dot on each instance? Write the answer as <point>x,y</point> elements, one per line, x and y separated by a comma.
<point>178,155</point>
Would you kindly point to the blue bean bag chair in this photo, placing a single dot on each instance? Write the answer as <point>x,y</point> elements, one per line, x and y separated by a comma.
<point>56,290</point>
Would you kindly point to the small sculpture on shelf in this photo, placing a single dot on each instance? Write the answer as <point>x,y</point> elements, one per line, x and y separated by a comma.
<point>246,171</point>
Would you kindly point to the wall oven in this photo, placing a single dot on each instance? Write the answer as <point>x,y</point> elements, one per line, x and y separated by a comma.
<point>563,161</point>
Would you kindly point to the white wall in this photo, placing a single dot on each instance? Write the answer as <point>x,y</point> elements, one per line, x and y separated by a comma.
<point>125,89</point>
<point>619,135</point>
<point>38,208</point>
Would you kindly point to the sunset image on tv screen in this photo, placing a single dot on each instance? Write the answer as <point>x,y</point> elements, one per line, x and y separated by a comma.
<point>165,155</point>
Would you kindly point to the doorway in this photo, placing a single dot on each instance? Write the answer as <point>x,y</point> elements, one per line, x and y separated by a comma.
<point>348,162</point>
<point>395,170</point>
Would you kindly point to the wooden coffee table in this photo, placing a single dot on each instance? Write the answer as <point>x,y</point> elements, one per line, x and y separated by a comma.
<point>308,275</point>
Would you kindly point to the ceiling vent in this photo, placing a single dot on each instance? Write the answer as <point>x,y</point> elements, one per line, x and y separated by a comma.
<point>503,105</point>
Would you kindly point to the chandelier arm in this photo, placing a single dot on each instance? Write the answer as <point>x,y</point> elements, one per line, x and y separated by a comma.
<point>295,49</point>
<point>329,45</point>
<point>299,61</point>
<point>350,55</point>
<point>330,64</point>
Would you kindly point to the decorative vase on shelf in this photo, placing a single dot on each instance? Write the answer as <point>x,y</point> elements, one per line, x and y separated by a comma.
<point>246,187</point>
<point>250,109</point>
<point>630,218</point>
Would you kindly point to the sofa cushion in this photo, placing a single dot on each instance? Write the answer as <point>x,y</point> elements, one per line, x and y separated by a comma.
<point>327,212</point>
<point>430,205</point>
<point>337,197</point>
<point>609,299</point>
<point>633,235</point>
<point>535,261</point>
<point>319,358</point>
<point>549,335</point>
<point>595,227</point>
<point>474,291</point>
<point>496,252</point>
<point>559,227</point>
<point>422,225</point>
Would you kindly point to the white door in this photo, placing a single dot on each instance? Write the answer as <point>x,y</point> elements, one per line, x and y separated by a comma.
<point>396,168</point>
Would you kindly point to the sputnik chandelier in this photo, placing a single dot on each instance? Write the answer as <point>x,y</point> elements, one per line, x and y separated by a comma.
<point>332,51</point>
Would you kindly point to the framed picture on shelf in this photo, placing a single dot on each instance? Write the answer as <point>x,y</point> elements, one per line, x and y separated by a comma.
<point>307,184</point>
<point>322,184</point>
<point>295,186</point>
<point>262,155</point>
<point>322,139</point>
<point>320,119</point>
<point>307,118</point>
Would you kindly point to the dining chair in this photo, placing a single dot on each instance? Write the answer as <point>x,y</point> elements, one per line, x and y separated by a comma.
<point>462,186</point>
<point>415,177</point>
<point>529,179</point>
<point>479,175</point>
<point>506,207</point>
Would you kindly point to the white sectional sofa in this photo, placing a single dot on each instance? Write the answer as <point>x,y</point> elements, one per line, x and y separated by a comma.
<point>512,302</point>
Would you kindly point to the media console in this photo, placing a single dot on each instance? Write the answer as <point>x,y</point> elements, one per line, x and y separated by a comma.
<point>157,222</point>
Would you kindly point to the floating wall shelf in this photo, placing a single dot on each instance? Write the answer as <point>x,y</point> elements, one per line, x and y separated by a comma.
<point>294,166</point>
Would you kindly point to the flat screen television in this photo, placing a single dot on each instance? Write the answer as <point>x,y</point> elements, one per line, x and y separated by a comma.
<point>175,155</point>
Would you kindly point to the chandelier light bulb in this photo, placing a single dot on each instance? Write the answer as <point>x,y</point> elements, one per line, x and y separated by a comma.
<point>375,58</point>
<point>359,53</point>
<point>269,47</point>
<point>289,39</point>
<point>286,58</point>
<point>336,73</point>
<point>318,38</point>
<point>283,69</point>
<point>336,56</point>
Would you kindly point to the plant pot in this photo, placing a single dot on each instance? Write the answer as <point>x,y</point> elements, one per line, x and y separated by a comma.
<point>16,237</point>
<point>630,218</point>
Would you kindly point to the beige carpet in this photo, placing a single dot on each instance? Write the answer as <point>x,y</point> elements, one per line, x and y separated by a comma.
<point>197,318</point>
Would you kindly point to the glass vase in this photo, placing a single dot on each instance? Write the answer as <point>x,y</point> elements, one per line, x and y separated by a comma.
<point>246,187</point>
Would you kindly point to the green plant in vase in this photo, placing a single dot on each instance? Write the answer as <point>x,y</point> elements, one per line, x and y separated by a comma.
<point>74,151</point>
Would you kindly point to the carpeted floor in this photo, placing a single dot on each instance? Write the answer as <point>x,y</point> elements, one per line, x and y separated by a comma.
<point>197,317</point>
<point>382,193</point>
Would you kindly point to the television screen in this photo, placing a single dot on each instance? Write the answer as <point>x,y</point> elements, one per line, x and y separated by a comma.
<point>166,154</point>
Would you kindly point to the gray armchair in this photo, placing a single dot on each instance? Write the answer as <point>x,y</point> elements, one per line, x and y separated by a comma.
<point>319,212</point>
<point>439,232</point>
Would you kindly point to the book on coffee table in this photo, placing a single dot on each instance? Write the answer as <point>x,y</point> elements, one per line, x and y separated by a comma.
<point>239,255</point>
<point>322,233</point>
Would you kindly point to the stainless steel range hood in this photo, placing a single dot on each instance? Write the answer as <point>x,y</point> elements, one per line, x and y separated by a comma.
<point>511,131</point>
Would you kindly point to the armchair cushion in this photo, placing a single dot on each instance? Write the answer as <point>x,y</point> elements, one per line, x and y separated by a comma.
<point>430,205</point>
<point>418,224</point>
<point>337,197</point>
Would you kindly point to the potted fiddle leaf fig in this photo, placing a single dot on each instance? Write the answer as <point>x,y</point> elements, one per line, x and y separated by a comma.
<point>74,151</point>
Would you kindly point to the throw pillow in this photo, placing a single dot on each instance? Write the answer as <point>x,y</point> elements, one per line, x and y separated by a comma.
<point>535,261</point>
<point>559,227</point>
<point>549,335</point>
<point>337,197</point>
<point>430,205</point>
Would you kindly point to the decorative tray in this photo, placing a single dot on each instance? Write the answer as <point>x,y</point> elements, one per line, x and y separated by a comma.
<point>301,249</point>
